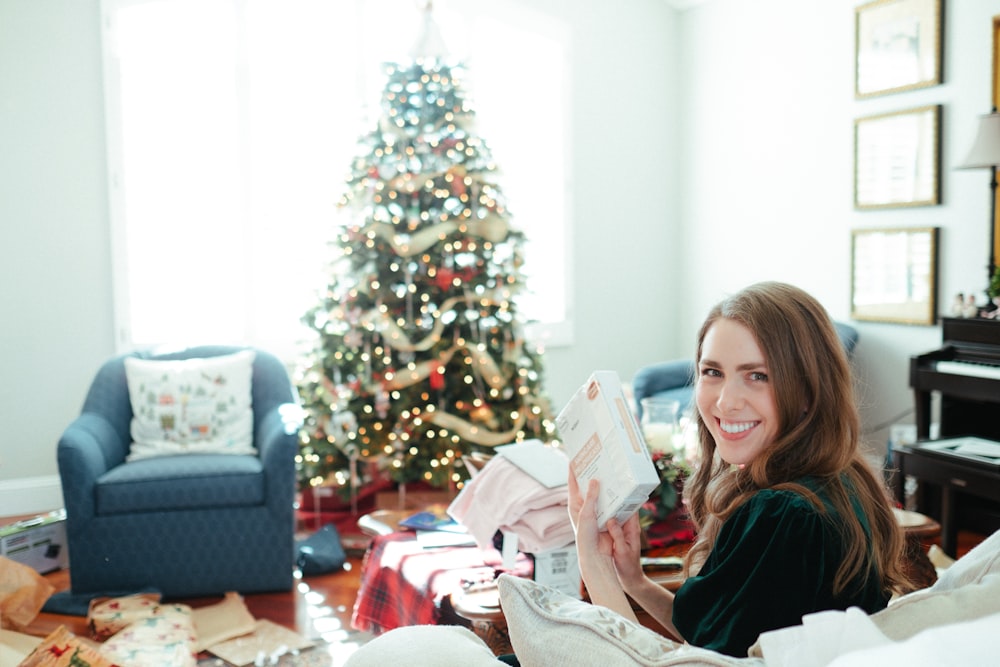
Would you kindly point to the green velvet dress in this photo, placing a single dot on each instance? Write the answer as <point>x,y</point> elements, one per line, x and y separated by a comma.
<point>774,562</point>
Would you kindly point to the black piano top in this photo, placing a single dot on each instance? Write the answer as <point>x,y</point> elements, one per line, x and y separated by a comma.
<point>975,332</point>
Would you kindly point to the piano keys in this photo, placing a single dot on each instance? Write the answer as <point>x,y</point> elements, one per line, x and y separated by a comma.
<point>965,373</point>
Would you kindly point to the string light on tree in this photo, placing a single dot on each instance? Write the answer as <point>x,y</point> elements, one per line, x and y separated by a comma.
<point>420,355</point>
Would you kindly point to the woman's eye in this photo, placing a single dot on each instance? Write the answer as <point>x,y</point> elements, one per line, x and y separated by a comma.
<point>710,372</point>
<point>758,376</point>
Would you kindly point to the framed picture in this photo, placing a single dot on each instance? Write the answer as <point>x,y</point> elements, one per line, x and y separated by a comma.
<point>897,158</point>
<point>897,46</point>
<point>996,105</point>
<point>894,275</point>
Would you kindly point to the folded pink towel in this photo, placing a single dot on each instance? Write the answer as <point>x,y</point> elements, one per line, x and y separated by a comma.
<point>504,497</point>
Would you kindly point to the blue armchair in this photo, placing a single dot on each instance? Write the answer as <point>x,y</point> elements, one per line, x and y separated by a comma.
<point>675,379</point>
<point>186,525</point>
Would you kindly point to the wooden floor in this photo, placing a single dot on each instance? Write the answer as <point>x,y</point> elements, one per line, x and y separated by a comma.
<point>318,608</point>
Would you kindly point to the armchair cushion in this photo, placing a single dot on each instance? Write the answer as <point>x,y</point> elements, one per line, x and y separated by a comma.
<point>181,482</point>
<point>186,406</point>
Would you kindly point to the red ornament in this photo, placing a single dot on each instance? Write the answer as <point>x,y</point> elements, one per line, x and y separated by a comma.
<point>437,377</point>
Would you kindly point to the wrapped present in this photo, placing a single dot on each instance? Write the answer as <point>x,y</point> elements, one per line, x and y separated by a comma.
<point>108,616</point>
<point>165,638</point>
<point>64,649</point>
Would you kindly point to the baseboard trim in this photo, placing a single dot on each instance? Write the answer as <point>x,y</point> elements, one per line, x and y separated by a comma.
<point>30,495</point>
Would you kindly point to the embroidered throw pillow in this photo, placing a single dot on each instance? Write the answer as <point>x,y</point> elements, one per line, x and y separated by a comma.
<point>548,627</point>
<point>191,406</point>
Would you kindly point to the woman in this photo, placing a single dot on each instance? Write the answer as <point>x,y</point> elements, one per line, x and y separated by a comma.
<point>790,518</point>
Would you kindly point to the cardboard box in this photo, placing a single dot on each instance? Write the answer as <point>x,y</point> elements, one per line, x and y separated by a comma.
<point>38,542</point>
<point>559,569</point>
<point>603,441</point>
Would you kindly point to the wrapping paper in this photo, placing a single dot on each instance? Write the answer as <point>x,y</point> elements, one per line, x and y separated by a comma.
<point>166,638</point>
<point>64,649</point>
<point>22,594</point>
<point>108,616</point>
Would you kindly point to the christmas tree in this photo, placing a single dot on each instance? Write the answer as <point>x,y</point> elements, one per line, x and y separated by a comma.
<point>420,355</point>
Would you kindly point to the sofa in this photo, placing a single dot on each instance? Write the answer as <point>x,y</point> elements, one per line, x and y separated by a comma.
<point>956,621</point>
<point>674,380</point>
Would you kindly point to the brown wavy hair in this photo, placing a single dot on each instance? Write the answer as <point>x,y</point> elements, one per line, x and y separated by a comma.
<point>808,369</point>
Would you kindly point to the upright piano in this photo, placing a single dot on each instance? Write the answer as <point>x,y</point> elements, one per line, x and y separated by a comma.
<point>965,372</point>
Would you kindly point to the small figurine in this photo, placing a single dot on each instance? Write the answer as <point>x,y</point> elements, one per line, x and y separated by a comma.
<point>958,305</point>
<point>971,309</point>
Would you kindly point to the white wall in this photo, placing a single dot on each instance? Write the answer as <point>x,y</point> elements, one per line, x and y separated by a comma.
<point>55,272</point>
<point>54,248</point>
<point>767,115</point>
<point>712,147</point>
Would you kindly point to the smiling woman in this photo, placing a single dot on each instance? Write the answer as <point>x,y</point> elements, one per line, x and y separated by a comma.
<point>231,127</point>
<point>790,519</point>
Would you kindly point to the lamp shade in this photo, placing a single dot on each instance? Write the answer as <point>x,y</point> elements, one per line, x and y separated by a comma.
<point>985,150</point>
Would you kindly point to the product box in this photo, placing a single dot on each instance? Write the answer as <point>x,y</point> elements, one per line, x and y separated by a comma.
<point>559,569</point>
<point>38,542</point>
<point>603,440</point>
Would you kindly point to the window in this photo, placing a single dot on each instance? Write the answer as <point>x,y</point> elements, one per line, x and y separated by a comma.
<point>231,125</point>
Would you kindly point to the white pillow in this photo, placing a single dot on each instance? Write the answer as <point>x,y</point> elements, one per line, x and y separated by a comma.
<point>969,589</point>
<point>981,560</point>
<point>191,406</point>
<point>427,646</point>
<point>547,627</point>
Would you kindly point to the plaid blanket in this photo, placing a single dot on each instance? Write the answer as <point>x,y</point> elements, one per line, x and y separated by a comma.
<point>402,583</point>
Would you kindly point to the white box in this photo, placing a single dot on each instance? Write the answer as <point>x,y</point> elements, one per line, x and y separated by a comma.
<point>559,569</point>
<point>38,542</point>
<point>603,440</point>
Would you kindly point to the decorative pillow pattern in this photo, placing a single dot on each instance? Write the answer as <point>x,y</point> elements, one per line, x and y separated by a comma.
<point>167,637</point>
<point>548,627</point>
<point>191,406</point>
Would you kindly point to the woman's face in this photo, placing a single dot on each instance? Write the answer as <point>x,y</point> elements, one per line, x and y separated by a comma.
<point>734,393</point>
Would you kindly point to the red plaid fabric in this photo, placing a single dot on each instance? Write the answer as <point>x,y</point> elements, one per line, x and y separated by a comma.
<point>403,583</point>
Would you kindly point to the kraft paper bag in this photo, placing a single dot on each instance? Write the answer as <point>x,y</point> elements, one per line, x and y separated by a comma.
<point>22,594</point>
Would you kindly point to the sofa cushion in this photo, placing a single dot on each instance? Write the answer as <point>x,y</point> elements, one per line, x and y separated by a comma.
<point>969,589</point>
<point>185,406</point>
<point>181,482</point>
<point>547,627</point>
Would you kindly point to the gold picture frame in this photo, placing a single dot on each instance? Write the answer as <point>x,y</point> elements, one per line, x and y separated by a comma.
<point>897,158</point>
<point>996,106</point>
<point>894,275</point>
<point>897,46</point>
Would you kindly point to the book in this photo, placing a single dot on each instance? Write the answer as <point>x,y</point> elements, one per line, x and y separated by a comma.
<point>432,519</point>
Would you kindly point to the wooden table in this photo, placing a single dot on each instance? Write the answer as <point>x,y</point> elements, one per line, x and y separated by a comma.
<point>481,605</point>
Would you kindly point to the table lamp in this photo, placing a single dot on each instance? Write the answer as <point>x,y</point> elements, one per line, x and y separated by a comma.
<point>985,152</point>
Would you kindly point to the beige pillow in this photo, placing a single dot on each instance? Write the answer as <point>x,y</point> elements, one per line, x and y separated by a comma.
<point>191,406</point>
<point>547,627</point>
<point>969,589</point>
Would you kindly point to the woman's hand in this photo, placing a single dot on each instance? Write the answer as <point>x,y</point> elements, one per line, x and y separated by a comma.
<point>626,549</point>
<point>583,515</point>
<point>595,550</point>
<point>619,546</point>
